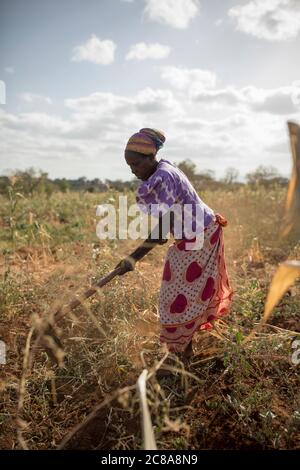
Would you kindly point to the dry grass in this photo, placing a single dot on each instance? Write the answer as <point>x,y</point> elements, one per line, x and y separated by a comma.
<point>235,395</point>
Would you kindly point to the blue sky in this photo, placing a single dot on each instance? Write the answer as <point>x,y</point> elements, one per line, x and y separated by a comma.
<point>220,77</point>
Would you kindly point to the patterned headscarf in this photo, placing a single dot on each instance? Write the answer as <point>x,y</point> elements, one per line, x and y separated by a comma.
<point>147,141</point>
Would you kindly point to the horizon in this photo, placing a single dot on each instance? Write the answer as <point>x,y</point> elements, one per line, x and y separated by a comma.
<point>239,180</point>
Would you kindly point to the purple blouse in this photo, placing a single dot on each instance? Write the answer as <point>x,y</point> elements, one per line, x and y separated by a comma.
<point>168,186</point>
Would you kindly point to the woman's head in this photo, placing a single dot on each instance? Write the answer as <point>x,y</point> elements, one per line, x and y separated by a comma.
<point>141,150</point>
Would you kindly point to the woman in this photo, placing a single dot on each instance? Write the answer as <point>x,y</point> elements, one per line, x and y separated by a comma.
<point>195,289</point>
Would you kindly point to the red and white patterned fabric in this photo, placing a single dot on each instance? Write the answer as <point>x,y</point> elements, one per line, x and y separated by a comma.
<point>195,289</point>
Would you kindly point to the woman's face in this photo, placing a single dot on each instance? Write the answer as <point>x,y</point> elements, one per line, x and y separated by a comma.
<point>142,166</point>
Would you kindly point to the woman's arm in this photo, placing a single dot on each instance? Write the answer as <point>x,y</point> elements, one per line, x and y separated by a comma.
<point>156,237</point>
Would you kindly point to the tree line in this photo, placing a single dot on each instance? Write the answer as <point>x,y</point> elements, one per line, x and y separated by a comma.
<point>32,181</point>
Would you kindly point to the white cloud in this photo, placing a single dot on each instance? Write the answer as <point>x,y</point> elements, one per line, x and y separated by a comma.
<point>191,80</point>
<point>274,20</point>
<point>101,102</point>
<point>296,92</point>
<point>104,106</point>
<point>277,101</point>
<point>34,97</point>
<point>248,128</point>
<point>226,124</point>
<point>282,147</point>
<point>35,123</point>
<point>282,100</point>
<point>142,51</point>
<point>10,70</point>
<point>228,96</point>
<point>150,101</point>
<point>98,126</point>
<point>243,140</point>
<point>2,92</point>
<point>176,13</point>
<point>96,51</point>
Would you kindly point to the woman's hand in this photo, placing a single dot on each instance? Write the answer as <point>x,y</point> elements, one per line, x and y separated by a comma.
<point>126,265</point>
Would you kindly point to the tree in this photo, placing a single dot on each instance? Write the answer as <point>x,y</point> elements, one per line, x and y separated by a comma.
<point>206,180</point>
<point>63,185</point>
<point>231,176</point>
<point>189,168</point>
<point>30,181</point>
<point>263,175</point>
